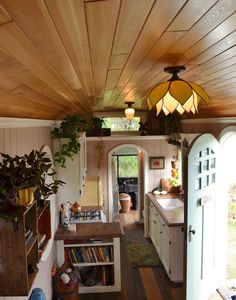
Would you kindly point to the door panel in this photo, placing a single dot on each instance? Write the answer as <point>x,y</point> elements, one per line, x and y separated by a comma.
<point>202,213</point>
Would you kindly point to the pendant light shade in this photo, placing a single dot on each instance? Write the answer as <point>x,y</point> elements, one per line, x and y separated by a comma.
<point>177,94</point>
<point>129,111</point>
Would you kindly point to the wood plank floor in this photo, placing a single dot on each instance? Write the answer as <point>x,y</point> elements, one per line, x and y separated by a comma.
<point>139,283</point>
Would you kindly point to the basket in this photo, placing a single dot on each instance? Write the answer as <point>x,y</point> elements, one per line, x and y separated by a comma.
<point>124,202</point>
<point>68,291</point>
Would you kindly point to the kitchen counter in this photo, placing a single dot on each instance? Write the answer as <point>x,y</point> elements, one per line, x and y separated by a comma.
<point>172,217</point>
<point>90,231</point>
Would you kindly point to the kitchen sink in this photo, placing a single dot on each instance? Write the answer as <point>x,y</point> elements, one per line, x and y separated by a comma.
<point>170,203</point>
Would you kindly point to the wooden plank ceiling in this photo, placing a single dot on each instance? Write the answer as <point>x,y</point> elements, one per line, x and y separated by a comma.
<point>59,57</point>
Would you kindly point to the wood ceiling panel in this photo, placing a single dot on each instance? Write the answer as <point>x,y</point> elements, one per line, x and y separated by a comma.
<point>112,77</point>
<point>4,16</point>
<point>7,82</point>
<point>34,20</point>
<point>62,57</point>
<point>101,19</point>
<point>217,34</point>
<point>69,19</point>
<point>190,14</point>
<point>213,18</point>
<point>118,61</point>
<point>159,19</point>
<point>24,106</point>
<point>19,72</point>
<point>29,93</point>
<point>16,43</point>
<point>132,16</point>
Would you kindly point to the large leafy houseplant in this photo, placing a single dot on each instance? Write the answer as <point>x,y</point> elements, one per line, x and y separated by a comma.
<point>27,171</point>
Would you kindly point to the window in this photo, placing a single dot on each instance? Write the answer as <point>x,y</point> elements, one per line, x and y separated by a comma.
<point>121,124</point>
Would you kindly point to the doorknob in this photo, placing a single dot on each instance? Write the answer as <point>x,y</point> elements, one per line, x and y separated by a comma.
<point>191,232</point>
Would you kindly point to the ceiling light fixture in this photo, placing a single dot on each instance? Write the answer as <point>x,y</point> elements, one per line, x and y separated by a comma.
<point>177,94</point>
<point>129,111</point>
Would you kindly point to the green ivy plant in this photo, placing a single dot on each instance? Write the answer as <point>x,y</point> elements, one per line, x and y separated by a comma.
<point>68,128</point>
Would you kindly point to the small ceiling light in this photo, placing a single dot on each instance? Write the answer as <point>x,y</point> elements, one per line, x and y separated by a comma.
<point>129,111</point>
<point>176,94</point>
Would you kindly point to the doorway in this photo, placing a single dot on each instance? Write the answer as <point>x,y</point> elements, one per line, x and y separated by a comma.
<point>228,145</point>
<point>127,169</point>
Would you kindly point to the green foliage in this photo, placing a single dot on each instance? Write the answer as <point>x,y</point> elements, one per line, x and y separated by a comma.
<point>128,166</point>
<point>29,170</point>
<point>69,128</point>
<point>121,124</point>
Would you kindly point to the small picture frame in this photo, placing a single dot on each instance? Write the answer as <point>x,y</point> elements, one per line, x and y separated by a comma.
<point>157,163</point>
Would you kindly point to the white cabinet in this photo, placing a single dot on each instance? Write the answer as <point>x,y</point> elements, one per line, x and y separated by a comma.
<point>168,241</point>
<point>74,172</point>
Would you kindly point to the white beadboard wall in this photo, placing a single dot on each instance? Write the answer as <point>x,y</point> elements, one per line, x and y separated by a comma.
<point>19,141</point>
<point>154,146</point>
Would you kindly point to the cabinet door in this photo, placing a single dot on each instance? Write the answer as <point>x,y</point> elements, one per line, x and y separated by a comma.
<point>158,241</point>
<point>166,244</point>
<point>152,223</point>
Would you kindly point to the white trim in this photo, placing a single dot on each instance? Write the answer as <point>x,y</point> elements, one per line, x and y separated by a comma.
<point>209,120</point>
<point>109,180</point>
<point>128,138</point>
<point>20,122</point>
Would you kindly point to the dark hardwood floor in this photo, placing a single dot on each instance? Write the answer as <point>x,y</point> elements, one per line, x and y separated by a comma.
<point>139,283</point>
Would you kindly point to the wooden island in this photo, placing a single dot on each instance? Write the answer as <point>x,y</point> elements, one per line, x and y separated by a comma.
<point>95,247</point>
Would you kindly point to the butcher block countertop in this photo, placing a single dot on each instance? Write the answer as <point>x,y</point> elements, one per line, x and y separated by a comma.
<point>90,231</point>
<point>172,217</point>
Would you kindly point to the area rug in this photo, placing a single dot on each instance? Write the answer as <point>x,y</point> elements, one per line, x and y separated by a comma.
<point>143,255</point>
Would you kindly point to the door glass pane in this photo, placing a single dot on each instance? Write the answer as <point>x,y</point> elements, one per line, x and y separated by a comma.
<point>198,167</point>
<point>205,165</point>
<point>212,152</point>
<point>213,163</point>
<point>199,154</point>
<point>197,184</point>
<point>205,181</point>
<point>213,178</point>
<point>205,152</point>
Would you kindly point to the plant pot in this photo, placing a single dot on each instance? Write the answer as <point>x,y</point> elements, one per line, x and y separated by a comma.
<point>99,132</point>
<point>24,197</point>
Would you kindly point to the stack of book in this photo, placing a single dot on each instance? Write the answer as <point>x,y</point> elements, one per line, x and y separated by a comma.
<point>90,254</point>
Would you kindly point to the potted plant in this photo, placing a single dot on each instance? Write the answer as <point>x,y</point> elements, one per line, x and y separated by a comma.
<point>94,128</point>
<point>69,129</point>
<point>23,177</point>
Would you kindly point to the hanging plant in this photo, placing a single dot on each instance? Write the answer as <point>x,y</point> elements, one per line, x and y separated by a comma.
<point>68,128</point>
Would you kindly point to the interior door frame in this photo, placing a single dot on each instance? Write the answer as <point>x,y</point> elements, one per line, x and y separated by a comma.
<point>142,189</point>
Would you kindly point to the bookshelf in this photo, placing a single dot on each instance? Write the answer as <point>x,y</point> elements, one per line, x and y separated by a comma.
<point>94,249</point>
<point>44,226</point>
<point>19,252</point>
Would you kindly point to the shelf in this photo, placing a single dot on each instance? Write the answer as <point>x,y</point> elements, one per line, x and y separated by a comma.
<point>94,264</point>
<point>98,289</point>
<point>29,245</point>
<point>100,244</point>
<point>40,210</point>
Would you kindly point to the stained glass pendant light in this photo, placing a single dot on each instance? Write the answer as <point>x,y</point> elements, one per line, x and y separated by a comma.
<point>177,94</point>
<point>129,111</point>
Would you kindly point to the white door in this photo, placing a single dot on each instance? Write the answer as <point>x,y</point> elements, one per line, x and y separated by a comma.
<point>202,218</point>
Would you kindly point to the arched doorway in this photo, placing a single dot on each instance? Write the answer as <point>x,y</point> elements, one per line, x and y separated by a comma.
<point>142,178</point>
<point>227,140</point>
